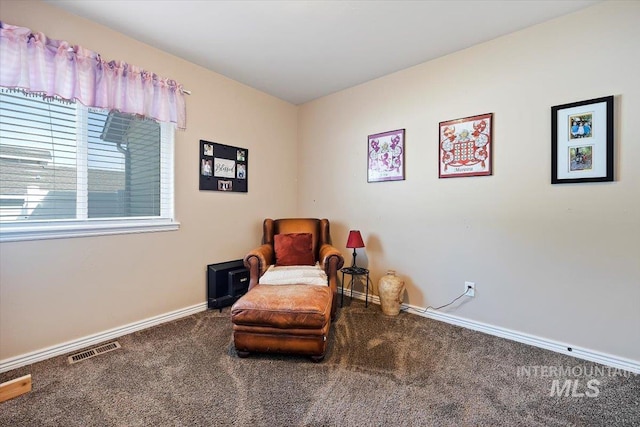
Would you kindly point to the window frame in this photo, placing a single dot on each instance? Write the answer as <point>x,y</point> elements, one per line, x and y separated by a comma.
<point>82,226</point>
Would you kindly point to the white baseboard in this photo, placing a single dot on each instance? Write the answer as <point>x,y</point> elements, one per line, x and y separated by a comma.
<point>558,347</point>
<point>70,346</point>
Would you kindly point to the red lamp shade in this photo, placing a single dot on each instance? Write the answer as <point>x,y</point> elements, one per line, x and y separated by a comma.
<point>355,239</point>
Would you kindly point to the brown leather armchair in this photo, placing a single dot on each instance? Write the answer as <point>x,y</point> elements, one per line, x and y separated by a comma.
<point>294,317</point>
<point>330,258</point>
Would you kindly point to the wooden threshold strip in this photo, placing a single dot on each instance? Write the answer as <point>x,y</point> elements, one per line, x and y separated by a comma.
<point>15,388</point>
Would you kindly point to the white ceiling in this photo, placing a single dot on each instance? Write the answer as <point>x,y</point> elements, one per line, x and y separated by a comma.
<point>301,50</point>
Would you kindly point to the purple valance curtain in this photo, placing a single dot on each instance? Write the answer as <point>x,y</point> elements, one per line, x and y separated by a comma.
<point>35,63</point>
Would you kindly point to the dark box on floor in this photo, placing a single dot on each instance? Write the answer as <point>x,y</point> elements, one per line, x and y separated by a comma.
<point>226,283</point>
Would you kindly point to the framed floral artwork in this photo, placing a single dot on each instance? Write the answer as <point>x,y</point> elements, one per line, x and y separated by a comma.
<point>386,156</point>
<point>465,146</point>
<point>582,141</point>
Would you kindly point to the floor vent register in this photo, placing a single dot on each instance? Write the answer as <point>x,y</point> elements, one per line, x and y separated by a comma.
<point>92,352</point>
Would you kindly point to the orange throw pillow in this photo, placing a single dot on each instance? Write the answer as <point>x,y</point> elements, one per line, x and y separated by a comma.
<point>294,249</point>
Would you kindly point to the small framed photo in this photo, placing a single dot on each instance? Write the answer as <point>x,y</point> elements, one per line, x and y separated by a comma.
<point>208,150</point>
<point>386,156</point>
<point>242,171</point>
<point>225,185</point>
<point>466,146</point>
<point>582,141</point>
<point>206,168</point>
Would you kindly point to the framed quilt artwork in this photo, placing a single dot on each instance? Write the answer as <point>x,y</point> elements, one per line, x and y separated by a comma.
<point>386,156</point>
<point>466,146</point>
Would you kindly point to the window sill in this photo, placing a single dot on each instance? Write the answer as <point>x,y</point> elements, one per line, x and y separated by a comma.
<point>18,233</point>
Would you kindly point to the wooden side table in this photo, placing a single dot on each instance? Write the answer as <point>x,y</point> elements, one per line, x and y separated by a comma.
<point>353,272</point>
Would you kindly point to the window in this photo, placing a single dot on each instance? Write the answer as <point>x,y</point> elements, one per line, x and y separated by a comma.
<point>68,170</point>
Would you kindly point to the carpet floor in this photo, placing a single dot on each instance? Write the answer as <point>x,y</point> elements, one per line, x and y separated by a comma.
<point>379,371</point>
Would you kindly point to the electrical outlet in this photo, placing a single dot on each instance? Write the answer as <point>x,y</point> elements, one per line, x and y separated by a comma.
<point>470,289</point>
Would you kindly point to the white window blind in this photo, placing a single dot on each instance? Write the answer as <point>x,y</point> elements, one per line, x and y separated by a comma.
<point>66,169</point>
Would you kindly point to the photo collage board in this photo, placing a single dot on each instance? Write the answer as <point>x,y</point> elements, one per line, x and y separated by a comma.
<point>223,167</point>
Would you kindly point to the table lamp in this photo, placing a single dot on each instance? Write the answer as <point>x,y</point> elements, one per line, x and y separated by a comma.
<point>354,241</point>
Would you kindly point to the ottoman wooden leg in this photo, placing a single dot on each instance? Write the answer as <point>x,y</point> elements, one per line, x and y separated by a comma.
<point>242,354</point>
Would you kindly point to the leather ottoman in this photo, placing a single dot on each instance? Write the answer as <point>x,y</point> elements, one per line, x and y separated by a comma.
<point>283,319</point>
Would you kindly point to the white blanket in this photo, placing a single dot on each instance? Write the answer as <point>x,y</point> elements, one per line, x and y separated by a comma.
<point>294,274</point>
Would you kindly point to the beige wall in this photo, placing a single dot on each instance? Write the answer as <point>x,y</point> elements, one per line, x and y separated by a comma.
<point>54,291</point>
<point>561,262</point>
